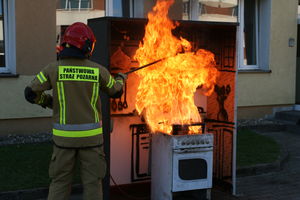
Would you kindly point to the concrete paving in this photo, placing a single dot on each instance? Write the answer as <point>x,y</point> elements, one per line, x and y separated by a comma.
<point>282,185</point>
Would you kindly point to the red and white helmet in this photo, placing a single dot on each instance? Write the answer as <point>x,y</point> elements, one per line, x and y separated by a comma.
<point>81,36</point>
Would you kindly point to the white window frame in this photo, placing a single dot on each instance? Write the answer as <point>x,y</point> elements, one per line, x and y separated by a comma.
<point>263,21</point>
<point>109,8</point>
<point>68,6</point>
<point>9,22</point>
<point>241,45</point>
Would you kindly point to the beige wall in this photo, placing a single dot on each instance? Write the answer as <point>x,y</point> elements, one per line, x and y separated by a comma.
<point>256,112</point>
<point>35,35</point>
<point>25,126</point>
<point>35,39</point>
<point>277,87</point>
<point>13,103</point>
<point>35,47</point>
<point>67,17</point>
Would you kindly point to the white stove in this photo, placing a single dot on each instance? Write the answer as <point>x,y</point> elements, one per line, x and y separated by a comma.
<point>180,163</point>
<point>192,141</point>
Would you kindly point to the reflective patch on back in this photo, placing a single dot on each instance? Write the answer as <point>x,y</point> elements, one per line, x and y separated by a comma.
<point>76,73</point>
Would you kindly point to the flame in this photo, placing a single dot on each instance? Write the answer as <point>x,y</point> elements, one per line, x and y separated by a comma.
<point>166,90</point>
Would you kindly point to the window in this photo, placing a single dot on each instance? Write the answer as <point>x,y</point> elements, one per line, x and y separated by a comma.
<point>117,8</point>
<point>2,49</point>
<point>186,10</point>
<point>210,10</point>
<point>7,37</point>
<point>74,4</point>
<point>254,33</point>
<point>250,32</point>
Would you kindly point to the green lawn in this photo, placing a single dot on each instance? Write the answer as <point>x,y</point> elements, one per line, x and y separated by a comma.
<point>253,148</point>
<point>26,166</point>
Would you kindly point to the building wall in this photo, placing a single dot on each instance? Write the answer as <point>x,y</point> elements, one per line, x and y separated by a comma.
<point>257,93</point>
<point>35,47</point>
<point>99,4</point>
<point>67,17</point>
<point>35,35</point>
<point>277,87</point>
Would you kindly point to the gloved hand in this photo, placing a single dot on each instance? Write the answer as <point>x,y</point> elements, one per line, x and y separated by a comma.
<point>123,76</point>
<point>46,100</point>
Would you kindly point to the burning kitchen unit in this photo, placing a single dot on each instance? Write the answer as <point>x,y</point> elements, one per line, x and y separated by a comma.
<point>181,166</point>
<point>206,150</point>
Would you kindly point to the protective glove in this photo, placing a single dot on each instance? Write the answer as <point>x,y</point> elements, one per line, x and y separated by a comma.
<point>123,76</point>
<point>46,100</point>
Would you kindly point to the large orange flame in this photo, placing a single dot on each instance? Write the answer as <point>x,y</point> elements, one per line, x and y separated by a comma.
<point>166,91</point>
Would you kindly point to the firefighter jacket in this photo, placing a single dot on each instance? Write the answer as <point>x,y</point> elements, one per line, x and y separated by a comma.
<point>76,105</point>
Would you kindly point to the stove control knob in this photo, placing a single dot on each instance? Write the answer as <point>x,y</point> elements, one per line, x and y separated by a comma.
<point>207,141</point>
<point>202,141</point>
<point>183,143</point>
<point>193,143</point>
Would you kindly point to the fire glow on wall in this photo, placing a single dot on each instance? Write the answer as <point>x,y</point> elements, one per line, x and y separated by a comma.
<point>119,47</point>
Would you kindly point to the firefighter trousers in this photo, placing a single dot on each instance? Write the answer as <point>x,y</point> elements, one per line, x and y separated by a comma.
<point>61,170</point>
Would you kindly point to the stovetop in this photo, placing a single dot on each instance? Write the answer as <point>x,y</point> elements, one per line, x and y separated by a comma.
<point>192,141</point>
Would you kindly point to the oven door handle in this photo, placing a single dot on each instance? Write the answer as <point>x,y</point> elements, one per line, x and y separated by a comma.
<point>193,150</point>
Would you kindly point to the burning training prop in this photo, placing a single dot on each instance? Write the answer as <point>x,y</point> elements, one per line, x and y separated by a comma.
<point>166,91</point>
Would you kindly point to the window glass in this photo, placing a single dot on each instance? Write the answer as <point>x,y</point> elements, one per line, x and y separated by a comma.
<point>117,8</point>
<point>74,4</point>
<point>2,49</point>
<point>210,10</point>
<point>298,8</point>
<point>86,4</point>
<point>186,10</point>
<point>250,32</point>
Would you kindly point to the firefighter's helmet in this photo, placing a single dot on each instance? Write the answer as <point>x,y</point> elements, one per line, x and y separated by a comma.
<point>80,36</point>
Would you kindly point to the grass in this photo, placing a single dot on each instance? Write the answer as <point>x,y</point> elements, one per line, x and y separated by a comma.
<point>253,148</point>
<point>26,166</point>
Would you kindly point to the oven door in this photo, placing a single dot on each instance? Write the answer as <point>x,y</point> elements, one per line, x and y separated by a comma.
<point>192,169</point>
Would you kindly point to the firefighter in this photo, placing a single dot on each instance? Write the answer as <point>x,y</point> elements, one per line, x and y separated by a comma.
<point>77,127</point>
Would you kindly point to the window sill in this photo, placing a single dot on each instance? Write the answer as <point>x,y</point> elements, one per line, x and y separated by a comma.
<point>255,71</point>
<point>8,75</point>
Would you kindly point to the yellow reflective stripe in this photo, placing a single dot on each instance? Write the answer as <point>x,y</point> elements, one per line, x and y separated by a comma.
<point>42,99</point>
<point>120,81</point>
<point>94,100</point>
<point>38,76</point>
<point>41,77</point>
<point>114,81</point>
<point>109,82</point>
<point>62,102</point>
<point>78,73</point>
<point>86,133</point>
